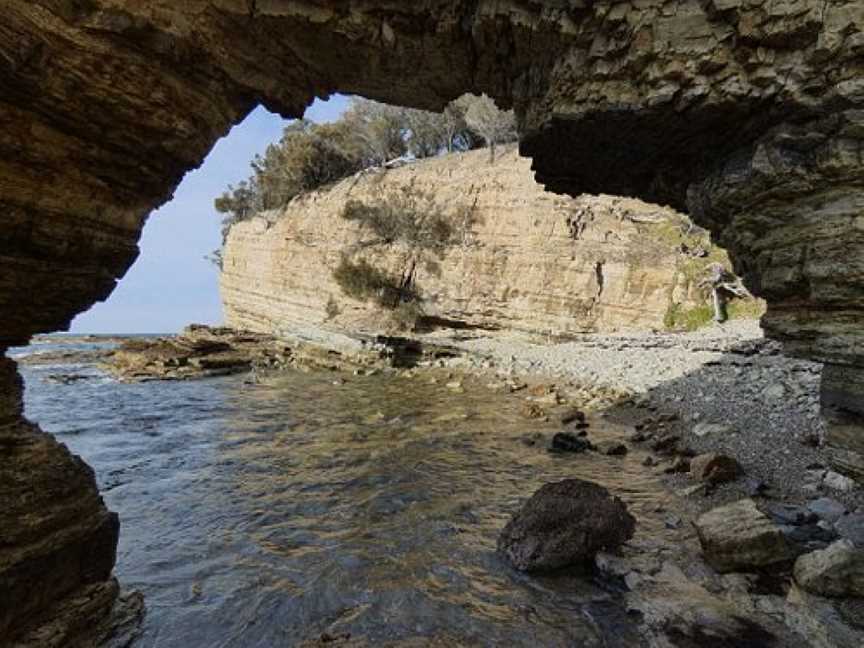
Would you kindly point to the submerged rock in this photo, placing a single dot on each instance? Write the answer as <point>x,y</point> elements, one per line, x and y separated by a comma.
<point>835,571</point>
<point>565,523</point>
<point>612,448</point>
<point>739,537</point>
<point>569,442</point>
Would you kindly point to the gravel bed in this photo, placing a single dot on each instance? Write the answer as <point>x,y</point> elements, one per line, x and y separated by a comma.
<point>728,375</point>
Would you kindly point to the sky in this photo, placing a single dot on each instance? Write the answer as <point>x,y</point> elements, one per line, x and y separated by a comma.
<point>172,284</point>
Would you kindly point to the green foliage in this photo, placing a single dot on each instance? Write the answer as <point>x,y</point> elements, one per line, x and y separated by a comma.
<point>678,319</point>
<point>362,281</point>
<point>310,156</point>
<point>404,216</point>
<point>746,309</point>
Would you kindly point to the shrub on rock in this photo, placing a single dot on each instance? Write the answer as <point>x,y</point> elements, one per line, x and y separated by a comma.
<point>565,523</point>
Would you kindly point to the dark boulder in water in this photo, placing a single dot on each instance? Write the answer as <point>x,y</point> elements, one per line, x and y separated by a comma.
<point>565,523</point>
<point>568,442</point>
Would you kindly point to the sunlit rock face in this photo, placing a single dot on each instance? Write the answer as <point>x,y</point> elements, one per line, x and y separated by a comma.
<point>744,111</point>
<point>521,259</point>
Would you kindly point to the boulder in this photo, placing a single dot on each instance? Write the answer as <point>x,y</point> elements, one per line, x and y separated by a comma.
<point>839,482</point>
<point>565,523</point>
<point>837,570</point>
<point>715,468</point>
<point>739,537</point>
<point>828,509</point>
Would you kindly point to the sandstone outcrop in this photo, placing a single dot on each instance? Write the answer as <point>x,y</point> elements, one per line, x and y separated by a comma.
<point>746,112</point>
<point>206,352</point>
<point>525,260</point>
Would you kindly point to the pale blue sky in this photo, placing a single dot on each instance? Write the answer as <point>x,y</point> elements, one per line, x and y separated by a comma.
<point>171,284</point>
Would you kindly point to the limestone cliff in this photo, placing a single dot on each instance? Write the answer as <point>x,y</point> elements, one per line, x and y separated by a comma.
<point>524,260</point>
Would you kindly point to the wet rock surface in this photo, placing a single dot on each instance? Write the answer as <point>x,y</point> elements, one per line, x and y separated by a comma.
<point>565,523</point>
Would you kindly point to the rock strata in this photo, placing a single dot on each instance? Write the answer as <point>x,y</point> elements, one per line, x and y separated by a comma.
<point>524,260</point>
<point>565,523</point>
<point>55,531</point>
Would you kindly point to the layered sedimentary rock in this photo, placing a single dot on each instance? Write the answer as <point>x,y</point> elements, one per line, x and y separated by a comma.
<point>745,111</point>
<point>523,259</point>
<point>57,539</point>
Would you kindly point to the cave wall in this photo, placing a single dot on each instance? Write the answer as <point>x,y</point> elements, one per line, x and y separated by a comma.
<point>745,112</point>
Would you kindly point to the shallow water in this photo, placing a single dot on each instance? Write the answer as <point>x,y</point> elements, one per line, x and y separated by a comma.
<point>268,514</point>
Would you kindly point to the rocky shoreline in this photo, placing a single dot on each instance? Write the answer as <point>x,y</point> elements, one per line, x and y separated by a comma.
<point>766,539</point>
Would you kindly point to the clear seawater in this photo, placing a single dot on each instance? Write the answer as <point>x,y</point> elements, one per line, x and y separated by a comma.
<point>271,514</point>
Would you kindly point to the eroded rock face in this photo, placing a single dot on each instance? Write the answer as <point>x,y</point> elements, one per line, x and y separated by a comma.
<point>523,260</point>
<point>57,540</point>
<point>739,537</point>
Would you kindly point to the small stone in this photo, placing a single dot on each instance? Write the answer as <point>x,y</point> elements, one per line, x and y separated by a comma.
<point>680,465</point>
<point>612,448</point>
<point>837,570</point>
<point>532,411</point>
<point>827,509</point>
<point>711,429</point>
<point>649,461</point>
<point>714,468</point>
<point>572,415</point>
<point>567,442</point>
<point>666,443</point>
<point>838,482</point>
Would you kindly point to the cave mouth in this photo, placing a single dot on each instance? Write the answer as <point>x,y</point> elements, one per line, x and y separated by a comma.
<point>747,115</point>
